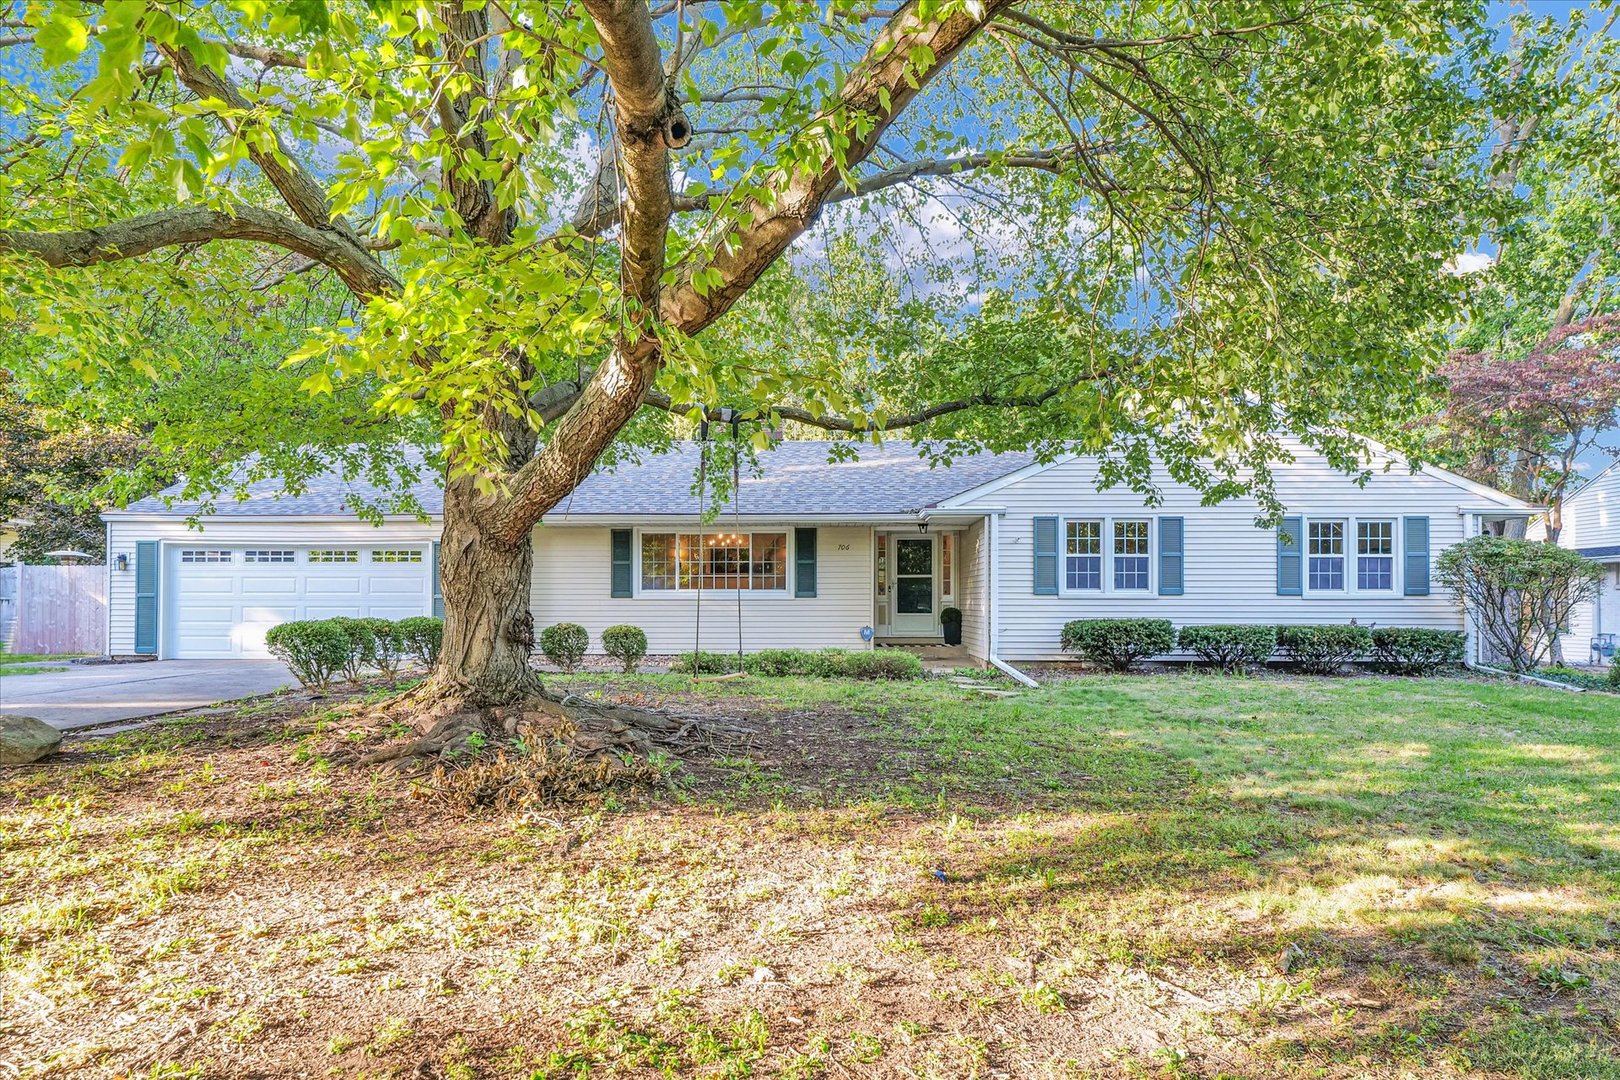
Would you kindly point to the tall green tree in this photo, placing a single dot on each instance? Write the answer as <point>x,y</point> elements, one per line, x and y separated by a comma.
<point>1176,230</point>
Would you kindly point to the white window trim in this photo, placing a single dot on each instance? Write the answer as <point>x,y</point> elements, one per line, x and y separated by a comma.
<point>1108,588</point>
<point>785,593</point>
<point>1352,569</point>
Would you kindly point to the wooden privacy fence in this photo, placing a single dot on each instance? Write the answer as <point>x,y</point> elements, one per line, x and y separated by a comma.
<point>55,610</point>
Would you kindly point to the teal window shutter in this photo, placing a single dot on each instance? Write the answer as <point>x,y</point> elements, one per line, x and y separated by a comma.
<point>1290,572</point>
<point>624,579</point>
<point>804,562</point>
<point>438,593</point>
<point>146,597</point>
<point>1416,533</point>
<point>1172,561</point>
<point>1046,556</point>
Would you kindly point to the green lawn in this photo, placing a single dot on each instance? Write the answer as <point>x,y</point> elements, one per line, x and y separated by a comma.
<point>9,664</point>
<point>1163,877</point>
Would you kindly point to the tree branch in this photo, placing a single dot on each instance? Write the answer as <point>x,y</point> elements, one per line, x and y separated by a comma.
<point>134,237</point>
<point>657,400</point>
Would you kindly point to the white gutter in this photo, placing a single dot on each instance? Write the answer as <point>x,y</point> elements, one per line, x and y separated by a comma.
<point>994,525</point>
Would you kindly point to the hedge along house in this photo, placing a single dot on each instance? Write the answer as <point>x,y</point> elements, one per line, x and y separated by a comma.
<point>1592,527</point>
<point>813,554</point>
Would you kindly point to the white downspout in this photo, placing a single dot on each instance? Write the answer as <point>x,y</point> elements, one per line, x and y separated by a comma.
<point>994,521</point>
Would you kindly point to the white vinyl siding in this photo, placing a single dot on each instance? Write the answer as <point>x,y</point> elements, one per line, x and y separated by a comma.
<point>572,565</point>
<point>1230,562</point>
<point>1592,520</point>
<point>973,561</point>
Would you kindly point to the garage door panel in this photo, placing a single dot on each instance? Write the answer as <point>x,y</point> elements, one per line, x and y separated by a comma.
<point>224,610</point>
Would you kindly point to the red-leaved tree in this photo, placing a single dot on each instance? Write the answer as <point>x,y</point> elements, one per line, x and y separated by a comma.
<point>1525,422</point>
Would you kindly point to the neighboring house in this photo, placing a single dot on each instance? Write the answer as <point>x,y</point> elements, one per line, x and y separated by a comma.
<point>818,554</point>
<point>1592,527</point>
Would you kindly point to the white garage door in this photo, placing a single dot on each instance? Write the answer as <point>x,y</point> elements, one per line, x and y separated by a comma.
<point>222,600</point>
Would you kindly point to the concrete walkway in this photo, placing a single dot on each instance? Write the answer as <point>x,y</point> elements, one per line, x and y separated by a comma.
<point>90,694</point>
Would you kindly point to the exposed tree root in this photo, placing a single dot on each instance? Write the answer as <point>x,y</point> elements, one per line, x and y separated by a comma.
<point>548,747</point>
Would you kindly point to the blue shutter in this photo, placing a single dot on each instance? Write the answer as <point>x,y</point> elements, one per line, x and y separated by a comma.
<point>1172,562</point>
<point>1046,556</point>
<point>1290,572</point>
<point>624,578</point>
<point>1416,533</point>
<point>146,597</point>
<point>804,562</point>
<point>438,593</point>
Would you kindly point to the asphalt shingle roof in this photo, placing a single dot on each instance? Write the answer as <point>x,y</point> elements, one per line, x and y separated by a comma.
<point>1610,552</point>
<point>796,478</point>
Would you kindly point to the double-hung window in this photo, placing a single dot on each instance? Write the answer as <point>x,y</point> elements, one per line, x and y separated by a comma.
<point>1325,550</point>
<point>674,562</point>
<point>1083,555</point>
<point>1375,555</point>
<point>1131,564</point>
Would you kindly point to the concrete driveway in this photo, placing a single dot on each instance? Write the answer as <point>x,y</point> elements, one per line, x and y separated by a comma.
<point>89,694</point>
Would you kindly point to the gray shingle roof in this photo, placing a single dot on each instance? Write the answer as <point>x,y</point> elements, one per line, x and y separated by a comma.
<point>795,478</point>
<point>1612,551</point>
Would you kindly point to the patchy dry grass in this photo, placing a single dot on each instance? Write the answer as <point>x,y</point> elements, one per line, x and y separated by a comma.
<point>1157,877</point>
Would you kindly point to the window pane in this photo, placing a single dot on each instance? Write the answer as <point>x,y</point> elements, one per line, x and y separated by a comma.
<point>946,548</point>
<point>914,595</point>
<point>1375,537</point>
<point>725,561</point>
<point>1375,572</point>
<point>1130,538</point>
<point>1084,572</point>
<point>1130,572</point>
<point>657,561</point>
<point>914,556</point>
<point>770,560</point>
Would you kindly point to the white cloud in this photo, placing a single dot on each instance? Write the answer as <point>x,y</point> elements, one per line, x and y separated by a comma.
<point>1469,262</point>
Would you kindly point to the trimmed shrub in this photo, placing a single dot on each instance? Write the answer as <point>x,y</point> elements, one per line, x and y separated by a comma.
<point>1117,644</point>
<point>1229,646</point>
<point>1416,650</point>
<point>313,650</point>
<point>705,663</point>
<point>388,646</point>
<point>626,644</point>
<point>362,645</point>
<point>950,614</point>
<point>1614,675</point>
<point>888,664</point>
<point>564,644</point>
<point>776,662</point>
<point>421,636</point>
<point>1324,649</point>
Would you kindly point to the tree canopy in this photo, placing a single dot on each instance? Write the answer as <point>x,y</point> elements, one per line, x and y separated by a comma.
<point>1182,228</point>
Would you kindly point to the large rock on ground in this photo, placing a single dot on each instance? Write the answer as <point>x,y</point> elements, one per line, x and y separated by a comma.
<point>24,739</point>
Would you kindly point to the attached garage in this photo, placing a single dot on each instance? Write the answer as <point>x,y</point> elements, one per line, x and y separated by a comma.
<point>220,599</point>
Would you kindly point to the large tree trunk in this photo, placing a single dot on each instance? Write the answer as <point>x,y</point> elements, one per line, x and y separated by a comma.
<point>488,627</point>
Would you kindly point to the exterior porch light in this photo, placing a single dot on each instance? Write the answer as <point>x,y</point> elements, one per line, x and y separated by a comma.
<point>922,526</point>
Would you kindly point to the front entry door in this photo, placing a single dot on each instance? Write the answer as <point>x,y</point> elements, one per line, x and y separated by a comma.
<point>914,614</point>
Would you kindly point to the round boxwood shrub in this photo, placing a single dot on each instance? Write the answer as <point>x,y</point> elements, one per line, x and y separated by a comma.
<point>387,647</point>
<point>313,650</point>
<point>564,644</point>
<point>421,636</point>
<point>626,644</point>
<point>362,645</point>
<point>1230,646</point>
<point>1324,649</point>
<point>1416,650</point>
<point>1117,644</point>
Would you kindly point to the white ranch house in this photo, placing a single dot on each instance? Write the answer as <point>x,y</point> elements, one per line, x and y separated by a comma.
<point>1592,527</point>
<point>849,554</point>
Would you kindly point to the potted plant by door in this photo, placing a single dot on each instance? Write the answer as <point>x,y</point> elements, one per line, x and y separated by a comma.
<point>950,620</point>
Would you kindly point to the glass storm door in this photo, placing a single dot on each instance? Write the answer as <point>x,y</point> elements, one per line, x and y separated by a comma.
<point>914,562</point>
